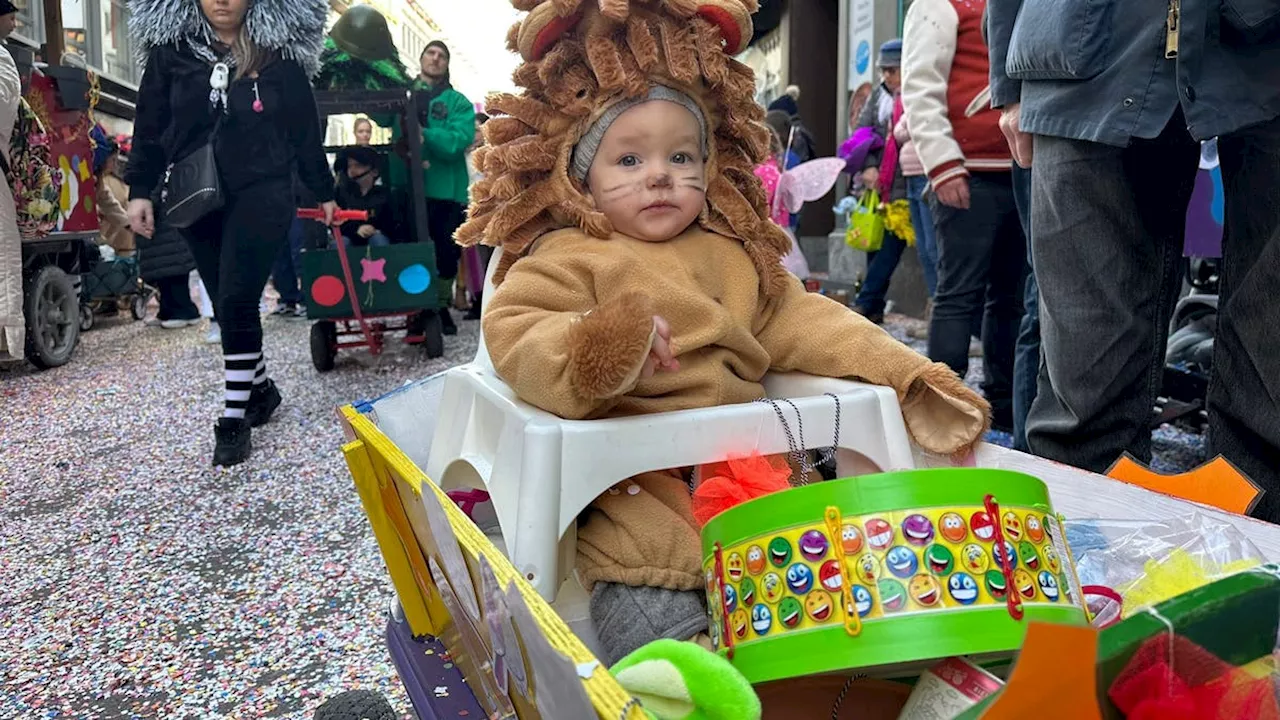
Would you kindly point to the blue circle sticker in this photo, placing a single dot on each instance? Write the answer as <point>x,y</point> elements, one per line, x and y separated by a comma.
<point>415,279</point>
<point>862,58</point>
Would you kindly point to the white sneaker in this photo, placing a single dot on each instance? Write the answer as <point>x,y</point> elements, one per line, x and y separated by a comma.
<point>176,324</point>
<point>214,337</point>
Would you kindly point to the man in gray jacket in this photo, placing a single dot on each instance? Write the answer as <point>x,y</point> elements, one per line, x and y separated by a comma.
<point>1110,98</point>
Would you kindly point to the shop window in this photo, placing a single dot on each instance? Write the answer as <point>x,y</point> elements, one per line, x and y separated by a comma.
<point>30,22</point>
<point>117,52</point>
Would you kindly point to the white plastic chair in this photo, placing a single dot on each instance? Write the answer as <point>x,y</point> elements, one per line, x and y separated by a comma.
<point>541,471</point>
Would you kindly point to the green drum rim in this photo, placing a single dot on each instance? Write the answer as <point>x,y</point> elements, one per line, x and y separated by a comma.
<point>894,641</point>
<point>867,494</point>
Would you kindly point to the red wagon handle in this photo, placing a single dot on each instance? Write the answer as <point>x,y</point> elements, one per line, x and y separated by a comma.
<point>341,216</point>
<point>338,216</point>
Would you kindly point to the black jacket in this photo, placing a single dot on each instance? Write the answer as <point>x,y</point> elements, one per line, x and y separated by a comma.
<point>175,118</point>
<point>378,202</point>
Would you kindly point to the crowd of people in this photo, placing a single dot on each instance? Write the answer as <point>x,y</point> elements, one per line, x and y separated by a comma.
<point>1068,267</point>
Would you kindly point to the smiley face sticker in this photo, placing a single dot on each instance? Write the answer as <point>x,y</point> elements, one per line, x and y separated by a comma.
<point>974,559</point>
<point>996,584</point>
<point>779,552</point>
<point>789,612</point>
<point>1048,585</point>
<point>761,619</point>
<point>738,623</point>
<point>924,590</point>
<point>917,530</point>
<point>1025,584</point>
<point>829,576</point>
<point>982,526</point>
<point>818,606</point>
<point>733,566</point>
<point>1035,531</point>
<point>755,560</point>
<point>771,587</point>
<point>799,579</point>
<point>1000,552</point>
<point>1027,552</point>
<point>893,597</point>
<point>879,533</point>
<point>868,568</point>
<point>1012,526</point>
<point>862,601</point>
<point>962,588</point>
<point>813,546</point>
<point>901,561</point>
<point>850,539</point>
<point>939,560</point>
<point>951,527</point>
<point>1051,561</point>
<point>730,599</point>
<point>748,592</point>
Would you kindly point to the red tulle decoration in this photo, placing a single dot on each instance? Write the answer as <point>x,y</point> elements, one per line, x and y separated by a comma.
<point>733,482</point>
<point>1180,680</point>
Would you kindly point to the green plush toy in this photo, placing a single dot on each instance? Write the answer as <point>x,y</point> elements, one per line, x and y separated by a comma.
<point>676,680</point>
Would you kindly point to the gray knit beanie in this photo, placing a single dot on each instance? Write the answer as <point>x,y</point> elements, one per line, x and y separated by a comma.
<point>585,151</point>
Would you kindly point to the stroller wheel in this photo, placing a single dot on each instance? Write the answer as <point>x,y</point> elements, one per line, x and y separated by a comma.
<point>138,308</point>
<point>356,705</point>
<point>86,318</point>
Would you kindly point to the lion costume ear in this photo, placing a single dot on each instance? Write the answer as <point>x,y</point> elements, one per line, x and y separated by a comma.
<point>549,20</point>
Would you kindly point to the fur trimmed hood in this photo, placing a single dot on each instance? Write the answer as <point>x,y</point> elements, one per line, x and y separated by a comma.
<point>294,28</point>
<point>583,56</point>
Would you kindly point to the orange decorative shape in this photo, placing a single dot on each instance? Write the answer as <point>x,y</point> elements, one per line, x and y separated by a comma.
<point>1055,677</point>
<point>1216,483</point>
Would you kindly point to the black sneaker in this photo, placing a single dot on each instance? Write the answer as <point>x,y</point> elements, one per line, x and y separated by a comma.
<point>447,326</point>
<point>232,441</point>
<point>875,317</point>
<point>263,401</point>
<point>473,313</point>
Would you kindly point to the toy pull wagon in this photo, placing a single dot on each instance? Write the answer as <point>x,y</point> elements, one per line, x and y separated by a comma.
<point>388,289</point>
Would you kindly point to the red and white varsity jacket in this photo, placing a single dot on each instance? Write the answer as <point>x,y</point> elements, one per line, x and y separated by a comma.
<point>945,94</point>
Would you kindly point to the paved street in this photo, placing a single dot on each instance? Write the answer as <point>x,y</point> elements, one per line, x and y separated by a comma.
<point>138,582</point>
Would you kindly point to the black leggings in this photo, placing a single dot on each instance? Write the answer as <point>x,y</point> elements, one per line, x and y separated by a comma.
<point>443,219</point>
<point>234,250</point>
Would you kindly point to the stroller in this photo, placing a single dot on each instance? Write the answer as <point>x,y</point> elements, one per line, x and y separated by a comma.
<point>113,283</point>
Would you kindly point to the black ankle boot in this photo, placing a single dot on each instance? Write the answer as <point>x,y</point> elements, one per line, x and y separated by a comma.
<point>447,326</point>
<point>263,401</point>
<point>232,441</point>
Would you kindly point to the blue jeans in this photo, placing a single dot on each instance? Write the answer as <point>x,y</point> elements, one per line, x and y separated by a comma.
<point>1026,354</point>
<point>375,240</point>
<point>922,222</point>
<point>880,267</point>
<point>287,270</point>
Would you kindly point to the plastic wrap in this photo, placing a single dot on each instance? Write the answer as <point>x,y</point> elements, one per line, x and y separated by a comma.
<point>1147,562</point>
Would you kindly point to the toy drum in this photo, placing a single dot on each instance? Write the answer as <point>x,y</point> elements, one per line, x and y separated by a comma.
<point>886,571</point>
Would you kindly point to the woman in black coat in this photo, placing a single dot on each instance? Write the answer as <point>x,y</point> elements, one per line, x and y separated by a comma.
<point>231,75</point>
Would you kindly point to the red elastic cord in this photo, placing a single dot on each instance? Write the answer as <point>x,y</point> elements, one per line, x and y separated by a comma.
<point>725,630</point>
<point>1012,597</point>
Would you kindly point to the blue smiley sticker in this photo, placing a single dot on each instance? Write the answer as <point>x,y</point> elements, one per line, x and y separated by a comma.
<point>799,578</point>
<point>862,600</point>
<point>730,599</point>
<point>963,588</point>
<point>761,619</point>
<point>901,561</point>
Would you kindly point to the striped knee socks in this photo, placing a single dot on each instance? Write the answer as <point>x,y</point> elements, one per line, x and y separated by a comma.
<point>244,371</point>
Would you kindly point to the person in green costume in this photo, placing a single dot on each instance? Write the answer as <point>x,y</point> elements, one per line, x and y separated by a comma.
<point>448,129</point>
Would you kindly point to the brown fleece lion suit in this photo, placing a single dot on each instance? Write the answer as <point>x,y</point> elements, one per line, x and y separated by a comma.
<point>571,322</point>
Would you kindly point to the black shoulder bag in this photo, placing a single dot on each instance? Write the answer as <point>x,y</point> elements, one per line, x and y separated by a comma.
<point>192,188</point>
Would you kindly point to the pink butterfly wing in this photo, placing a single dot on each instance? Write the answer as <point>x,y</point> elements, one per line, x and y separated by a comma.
<point>808,181</point>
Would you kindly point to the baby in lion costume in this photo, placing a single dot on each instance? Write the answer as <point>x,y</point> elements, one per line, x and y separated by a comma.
<point>641,273</point>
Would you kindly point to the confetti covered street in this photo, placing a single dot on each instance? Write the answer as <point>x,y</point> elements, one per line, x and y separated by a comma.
<point>138,582</point>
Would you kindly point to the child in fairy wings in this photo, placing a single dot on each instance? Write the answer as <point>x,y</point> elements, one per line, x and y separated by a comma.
<point>641,273</point>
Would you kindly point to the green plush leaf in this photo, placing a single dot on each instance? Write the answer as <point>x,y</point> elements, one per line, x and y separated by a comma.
<point>660,687</point>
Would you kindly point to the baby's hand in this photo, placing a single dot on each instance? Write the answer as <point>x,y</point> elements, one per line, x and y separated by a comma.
<point>661,355</point>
